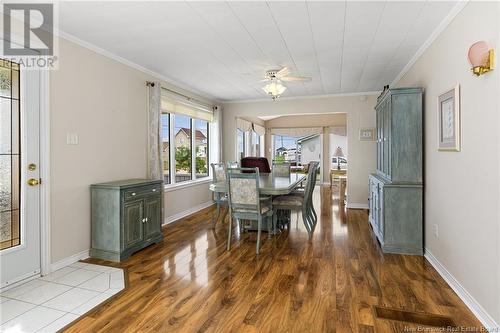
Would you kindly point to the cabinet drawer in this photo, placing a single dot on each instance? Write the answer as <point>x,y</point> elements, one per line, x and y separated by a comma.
<point>141,192</point>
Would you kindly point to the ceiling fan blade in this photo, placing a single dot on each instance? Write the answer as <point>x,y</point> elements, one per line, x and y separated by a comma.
<point>283,72</point>
<point>295,78</point>
<point>265,80</point>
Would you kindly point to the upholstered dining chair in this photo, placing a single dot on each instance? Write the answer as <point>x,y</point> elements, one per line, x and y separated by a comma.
<point>281,169</point>
<point>256,162</point>
<point>233,164</point>
<point>219,176</point>
<point>299,203</point>
<point>245,203</point>
<point>220,199</point>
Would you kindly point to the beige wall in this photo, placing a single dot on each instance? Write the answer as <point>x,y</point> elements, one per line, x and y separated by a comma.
<point>359,113</point>
<point>105,103</point>
<point>462,188</point>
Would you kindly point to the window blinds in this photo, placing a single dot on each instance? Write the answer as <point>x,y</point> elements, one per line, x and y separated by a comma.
<point>179,104</point>
<point>297,132</point>
<point>247,126</point>
<point>260,130</point>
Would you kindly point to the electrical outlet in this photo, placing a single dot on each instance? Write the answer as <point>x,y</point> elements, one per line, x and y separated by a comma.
<point>435,230</point>
<point>72,138</point>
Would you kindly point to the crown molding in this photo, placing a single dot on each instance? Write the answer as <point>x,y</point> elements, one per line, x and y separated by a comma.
<point>435,34</point>
<point>131,64</point>
<point>257,100</point>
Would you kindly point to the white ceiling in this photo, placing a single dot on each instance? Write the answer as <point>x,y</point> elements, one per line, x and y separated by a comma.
<point>223,48</point>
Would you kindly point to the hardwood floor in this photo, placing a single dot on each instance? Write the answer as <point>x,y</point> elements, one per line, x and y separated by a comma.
<point>190,283</point>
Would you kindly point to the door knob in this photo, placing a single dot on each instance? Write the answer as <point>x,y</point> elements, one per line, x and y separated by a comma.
<point>33,182</point>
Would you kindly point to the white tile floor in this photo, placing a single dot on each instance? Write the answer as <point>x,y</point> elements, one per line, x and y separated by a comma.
<point>49,303</point>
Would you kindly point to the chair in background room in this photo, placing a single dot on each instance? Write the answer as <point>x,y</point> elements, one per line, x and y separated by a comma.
<point>300,203</point>
<point>245,202</point>
<point>281,169</point>
<point>256,162</point>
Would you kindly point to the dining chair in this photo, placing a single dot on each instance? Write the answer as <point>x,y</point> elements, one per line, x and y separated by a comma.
<point>281,169</point>
<point>256,162</point>
<point>220,199</point>
<point>299,203</point>
<point>245,203</point>
<point>301,191</point>
<point>233,164</point>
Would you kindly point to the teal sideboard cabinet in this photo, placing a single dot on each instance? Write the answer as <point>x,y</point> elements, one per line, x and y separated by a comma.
<point>126,217</point>
<point>396,189</point>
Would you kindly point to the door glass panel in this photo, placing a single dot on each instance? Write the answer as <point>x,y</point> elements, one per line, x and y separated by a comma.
<point>9,156</point>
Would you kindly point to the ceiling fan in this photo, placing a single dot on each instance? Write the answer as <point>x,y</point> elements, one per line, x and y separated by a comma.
<point>275,88</point>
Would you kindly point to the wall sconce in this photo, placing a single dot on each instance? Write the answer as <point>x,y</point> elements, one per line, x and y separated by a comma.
<point>482,58</point>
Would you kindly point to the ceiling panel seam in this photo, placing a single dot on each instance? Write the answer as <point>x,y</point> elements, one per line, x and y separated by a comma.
<point>314,47</point>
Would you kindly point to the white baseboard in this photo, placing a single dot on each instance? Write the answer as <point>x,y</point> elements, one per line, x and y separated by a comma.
<point>473,305</point>
<point>354,205</point>
<point>69,260</point>
<point>187,212</point>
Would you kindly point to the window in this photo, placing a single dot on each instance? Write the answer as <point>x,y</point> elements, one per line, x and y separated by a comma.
<point>182,163</point>
<point>240,144</point>
<point>165,134</point>
<point>286,148</point>
<point>201,144</point>
<point>183,156</point>
<point>255,144</point>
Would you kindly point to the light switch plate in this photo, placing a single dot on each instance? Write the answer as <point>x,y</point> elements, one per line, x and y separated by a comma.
<point>72,138</point>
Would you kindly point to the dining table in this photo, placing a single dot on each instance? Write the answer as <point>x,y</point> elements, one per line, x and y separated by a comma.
<point>269,184</point>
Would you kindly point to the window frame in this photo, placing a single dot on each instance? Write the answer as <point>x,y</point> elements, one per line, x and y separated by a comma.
<point>238,156</point>
<point>172,160</point>
<point>193,128</point>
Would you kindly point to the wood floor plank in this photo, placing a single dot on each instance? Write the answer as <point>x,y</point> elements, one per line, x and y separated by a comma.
<point>329,283</point>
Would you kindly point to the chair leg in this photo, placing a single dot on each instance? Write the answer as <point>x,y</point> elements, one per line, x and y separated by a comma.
<point>229,233</point>
<point>259,227</point>
<point>275,220</point>
<point>269,226</point>
<point>305,218</point>
<point>216,216</point>
<point>225,214</point>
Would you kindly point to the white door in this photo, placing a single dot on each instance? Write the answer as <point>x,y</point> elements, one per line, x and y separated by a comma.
<point>19,173</point>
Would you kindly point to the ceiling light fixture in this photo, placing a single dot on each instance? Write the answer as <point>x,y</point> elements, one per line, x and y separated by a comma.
<point>274,89</point>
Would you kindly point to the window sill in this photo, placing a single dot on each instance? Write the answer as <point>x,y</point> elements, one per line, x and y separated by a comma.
<point>189,183</point>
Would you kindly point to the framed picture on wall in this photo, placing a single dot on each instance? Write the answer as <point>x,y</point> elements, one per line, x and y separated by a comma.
<point>367,134</point>
<point>448,106</point>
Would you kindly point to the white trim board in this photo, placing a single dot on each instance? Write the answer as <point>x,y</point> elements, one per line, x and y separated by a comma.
<point>69,260</point>
<point>473,305</point>
<point>355,205</point>
<point>45,241</point>
<point>435,34</point>
<point>187,212</point>
<point>352,94</point>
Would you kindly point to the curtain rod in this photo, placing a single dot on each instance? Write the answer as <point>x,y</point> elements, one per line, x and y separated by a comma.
<point>190,99</point>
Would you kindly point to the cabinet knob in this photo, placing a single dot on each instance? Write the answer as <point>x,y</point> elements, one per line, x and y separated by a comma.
<point>144,220</point>
<point>154,190</point>
<point>133,194</point>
